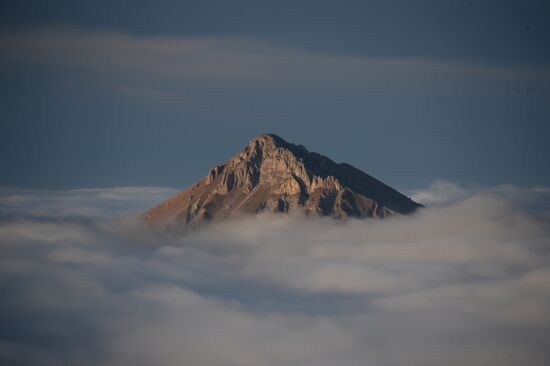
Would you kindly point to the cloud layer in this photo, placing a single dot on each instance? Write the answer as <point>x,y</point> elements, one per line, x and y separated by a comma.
<point>466,281</point>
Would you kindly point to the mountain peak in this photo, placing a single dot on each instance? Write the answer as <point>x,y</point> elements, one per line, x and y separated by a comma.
<point>269,142</point>
<point>270,174</point>
<point>268,138</point>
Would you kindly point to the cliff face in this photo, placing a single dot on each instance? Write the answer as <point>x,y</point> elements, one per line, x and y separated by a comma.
<point>272,174</point>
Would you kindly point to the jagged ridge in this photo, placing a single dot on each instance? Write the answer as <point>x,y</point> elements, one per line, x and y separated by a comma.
<point>272,174</point>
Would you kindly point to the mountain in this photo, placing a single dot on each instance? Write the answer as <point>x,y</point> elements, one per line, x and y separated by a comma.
<point>274,175</point>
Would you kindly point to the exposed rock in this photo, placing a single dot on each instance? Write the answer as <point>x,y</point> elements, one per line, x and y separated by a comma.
<point>274,175</point>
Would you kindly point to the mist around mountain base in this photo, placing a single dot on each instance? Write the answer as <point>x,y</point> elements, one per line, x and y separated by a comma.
<point>464,281</point>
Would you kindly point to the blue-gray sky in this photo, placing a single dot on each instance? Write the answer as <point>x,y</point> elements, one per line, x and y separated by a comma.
<point>110,93</point>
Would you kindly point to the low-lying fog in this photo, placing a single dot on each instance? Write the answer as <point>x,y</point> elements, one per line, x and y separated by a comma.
<point>466,281</point>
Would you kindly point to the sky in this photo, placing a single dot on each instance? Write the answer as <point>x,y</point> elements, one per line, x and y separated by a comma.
<point>153,93</point>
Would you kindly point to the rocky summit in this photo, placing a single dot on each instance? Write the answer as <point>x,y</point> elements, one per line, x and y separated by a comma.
<point>271,174</point>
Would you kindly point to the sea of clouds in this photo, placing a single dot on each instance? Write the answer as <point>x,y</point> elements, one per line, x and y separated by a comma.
<point>466,281</point>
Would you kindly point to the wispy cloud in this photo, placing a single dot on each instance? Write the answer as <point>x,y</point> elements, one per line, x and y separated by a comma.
<point>86,202</point>
<point>146,66</point>
<point>465,281</point>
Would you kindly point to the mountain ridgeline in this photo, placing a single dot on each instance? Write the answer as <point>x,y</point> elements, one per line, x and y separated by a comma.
<point>271,174</point>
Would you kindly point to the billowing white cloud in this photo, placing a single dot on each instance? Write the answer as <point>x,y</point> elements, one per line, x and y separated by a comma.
<point>441,192</point>
<point>464,281</point>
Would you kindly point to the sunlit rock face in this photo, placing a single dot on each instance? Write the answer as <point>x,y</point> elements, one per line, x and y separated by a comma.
<point>274,175</point>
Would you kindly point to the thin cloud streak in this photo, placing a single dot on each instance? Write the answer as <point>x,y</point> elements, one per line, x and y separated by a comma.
<point>139,64</point>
